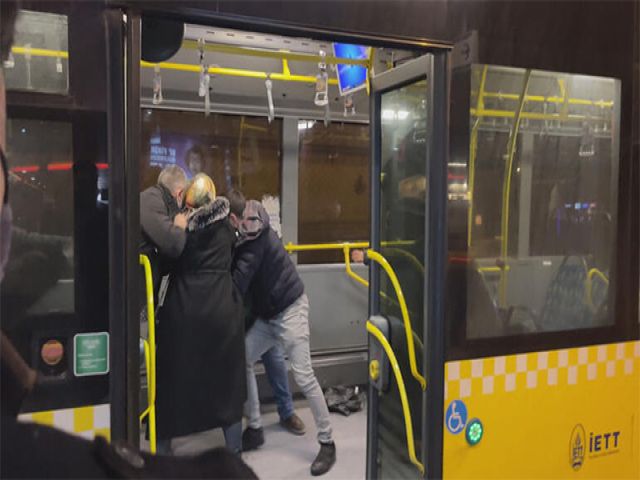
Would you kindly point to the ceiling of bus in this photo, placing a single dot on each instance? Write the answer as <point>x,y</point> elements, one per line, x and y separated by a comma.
<point>231,93</point>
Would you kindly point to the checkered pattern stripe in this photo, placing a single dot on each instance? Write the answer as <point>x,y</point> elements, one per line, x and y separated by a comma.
<point>87,422</point>
<point>540,369</point>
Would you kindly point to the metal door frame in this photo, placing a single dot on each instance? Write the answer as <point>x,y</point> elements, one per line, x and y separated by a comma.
<point>123,112</point>
<point>433,67</point>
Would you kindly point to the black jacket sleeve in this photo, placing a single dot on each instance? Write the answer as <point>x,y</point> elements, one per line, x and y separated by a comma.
<point>158,226</point>
<point>246,263</point>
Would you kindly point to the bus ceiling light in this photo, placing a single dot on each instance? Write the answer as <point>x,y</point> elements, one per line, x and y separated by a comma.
<point>403,114</point>
<point>388,115</point>
<point>474,432</point>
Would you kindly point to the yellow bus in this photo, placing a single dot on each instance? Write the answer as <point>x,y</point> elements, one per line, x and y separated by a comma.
<point>483,157</point>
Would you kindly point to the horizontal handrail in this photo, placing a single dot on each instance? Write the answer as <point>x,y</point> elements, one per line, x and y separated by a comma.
<point>382,261</point>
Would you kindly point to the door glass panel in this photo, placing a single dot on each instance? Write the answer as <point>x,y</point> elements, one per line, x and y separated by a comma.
<point>543,201</point>
<point>402,233</point>
<point>39,60</point>
<point>40,274</point>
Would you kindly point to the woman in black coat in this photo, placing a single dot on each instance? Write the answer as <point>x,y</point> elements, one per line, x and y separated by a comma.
<point>201,380</point>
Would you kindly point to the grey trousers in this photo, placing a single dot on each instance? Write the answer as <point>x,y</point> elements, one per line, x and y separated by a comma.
<point>291,330</point>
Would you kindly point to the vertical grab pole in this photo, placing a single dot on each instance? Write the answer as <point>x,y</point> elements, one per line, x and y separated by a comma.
<point>151,357</point>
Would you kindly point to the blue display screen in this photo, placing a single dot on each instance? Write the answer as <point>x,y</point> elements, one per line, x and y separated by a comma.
<point>351,77</point>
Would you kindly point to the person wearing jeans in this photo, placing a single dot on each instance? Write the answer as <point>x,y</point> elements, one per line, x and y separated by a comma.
<point>273,359</point>
<point>263,271</point>
<point>276,370</point>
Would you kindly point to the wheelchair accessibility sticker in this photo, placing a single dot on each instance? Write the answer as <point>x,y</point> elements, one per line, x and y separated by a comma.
<point>456,416</point>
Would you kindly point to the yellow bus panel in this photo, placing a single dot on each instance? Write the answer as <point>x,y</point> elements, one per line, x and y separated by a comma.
<point>571,413</point>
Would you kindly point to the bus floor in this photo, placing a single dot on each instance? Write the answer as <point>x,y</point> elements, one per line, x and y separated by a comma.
<point>286,456</point>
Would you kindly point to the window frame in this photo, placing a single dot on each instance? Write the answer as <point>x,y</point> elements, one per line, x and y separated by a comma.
<point>625,327</point>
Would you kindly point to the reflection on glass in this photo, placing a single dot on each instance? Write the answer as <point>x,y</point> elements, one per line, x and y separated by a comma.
<point>402,229</point>
<point>333,187</point>
<point>39,60</point>
<point>542,201</point>
<point>40,272</point>
<point>236,151</point>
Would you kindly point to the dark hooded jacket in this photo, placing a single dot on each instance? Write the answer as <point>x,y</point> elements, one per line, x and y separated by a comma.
<point>262,269</point>
<point>201,381</point>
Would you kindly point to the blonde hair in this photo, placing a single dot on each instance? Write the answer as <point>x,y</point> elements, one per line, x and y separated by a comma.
<point>200,191</point>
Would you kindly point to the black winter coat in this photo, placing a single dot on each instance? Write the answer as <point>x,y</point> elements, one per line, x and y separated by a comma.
<point>201,380</point>
<point>265,274</point>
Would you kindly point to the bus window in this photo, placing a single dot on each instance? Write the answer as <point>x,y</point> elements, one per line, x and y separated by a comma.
<point>40,272</point>
<point>237,151</point>
<point>542,201</point>
<point>333,187</point>
<point>39,59</point>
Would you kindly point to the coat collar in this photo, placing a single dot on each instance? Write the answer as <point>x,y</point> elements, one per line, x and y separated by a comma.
<point>208,214</point>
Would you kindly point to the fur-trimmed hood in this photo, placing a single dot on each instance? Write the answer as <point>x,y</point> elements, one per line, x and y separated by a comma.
<point>209,214</point>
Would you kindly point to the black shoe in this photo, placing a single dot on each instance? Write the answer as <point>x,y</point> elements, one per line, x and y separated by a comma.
<point>294,424</point>
<point>252,438</point>
<point>325,459</point>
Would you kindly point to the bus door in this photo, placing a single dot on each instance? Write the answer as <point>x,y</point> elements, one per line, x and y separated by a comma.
<point>408,134</point>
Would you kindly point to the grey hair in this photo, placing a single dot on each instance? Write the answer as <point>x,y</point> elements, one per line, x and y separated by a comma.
<point>173,177</point>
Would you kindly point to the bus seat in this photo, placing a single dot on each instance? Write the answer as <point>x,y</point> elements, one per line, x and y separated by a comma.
<point>565,307</point>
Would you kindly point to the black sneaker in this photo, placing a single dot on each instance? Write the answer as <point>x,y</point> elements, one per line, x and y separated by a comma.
<point>294,424</point>
<point>252,438</point>
<point>325,459</point>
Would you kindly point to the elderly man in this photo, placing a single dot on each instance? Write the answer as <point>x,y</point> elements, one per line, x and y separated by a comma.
<point>163,226</point>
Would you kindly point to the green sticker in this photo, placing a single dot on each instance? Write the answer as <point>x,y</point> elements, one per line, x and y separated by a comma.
<point>474,432</point>
<point>91,354</point>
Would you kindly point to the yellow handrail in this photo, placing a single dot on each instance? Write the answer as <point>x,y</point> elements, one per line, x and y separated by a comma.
<point>145,344</point>
<point>393,361</point>
<point>594,272</point>
<point>291,248</point>
<point>506,186</point>
<point>382,261</point>
<point>473,153</point>
<point>350,272</point>
<point>274,54</point>
<point>376,257</point>
<point>150,354</point>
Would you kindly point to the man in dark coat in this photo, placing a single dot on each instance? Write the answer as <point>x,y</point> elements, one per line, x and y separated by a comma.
<point>162,224</point>
<point>273,360</point>
<point>265,273</point>
<point>201,370</point>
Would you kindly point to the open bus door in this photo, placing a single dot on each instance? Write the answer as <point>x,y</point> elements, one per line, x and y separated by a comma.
<point>409,164</point>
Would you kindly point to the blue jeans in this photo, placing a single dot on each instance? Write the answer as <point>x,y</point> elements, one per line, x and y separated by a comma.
<point>276,368</point>
<point>290,330</point>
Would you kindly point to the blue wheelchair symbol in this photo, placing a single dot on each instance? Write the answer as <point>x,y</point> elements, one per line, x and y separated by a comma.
<point>456,417</point>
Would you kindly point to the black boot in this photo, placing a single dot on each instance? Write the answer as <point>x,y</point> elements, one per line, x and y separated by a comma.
<point>325,459</point>
<point>252,438</point>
